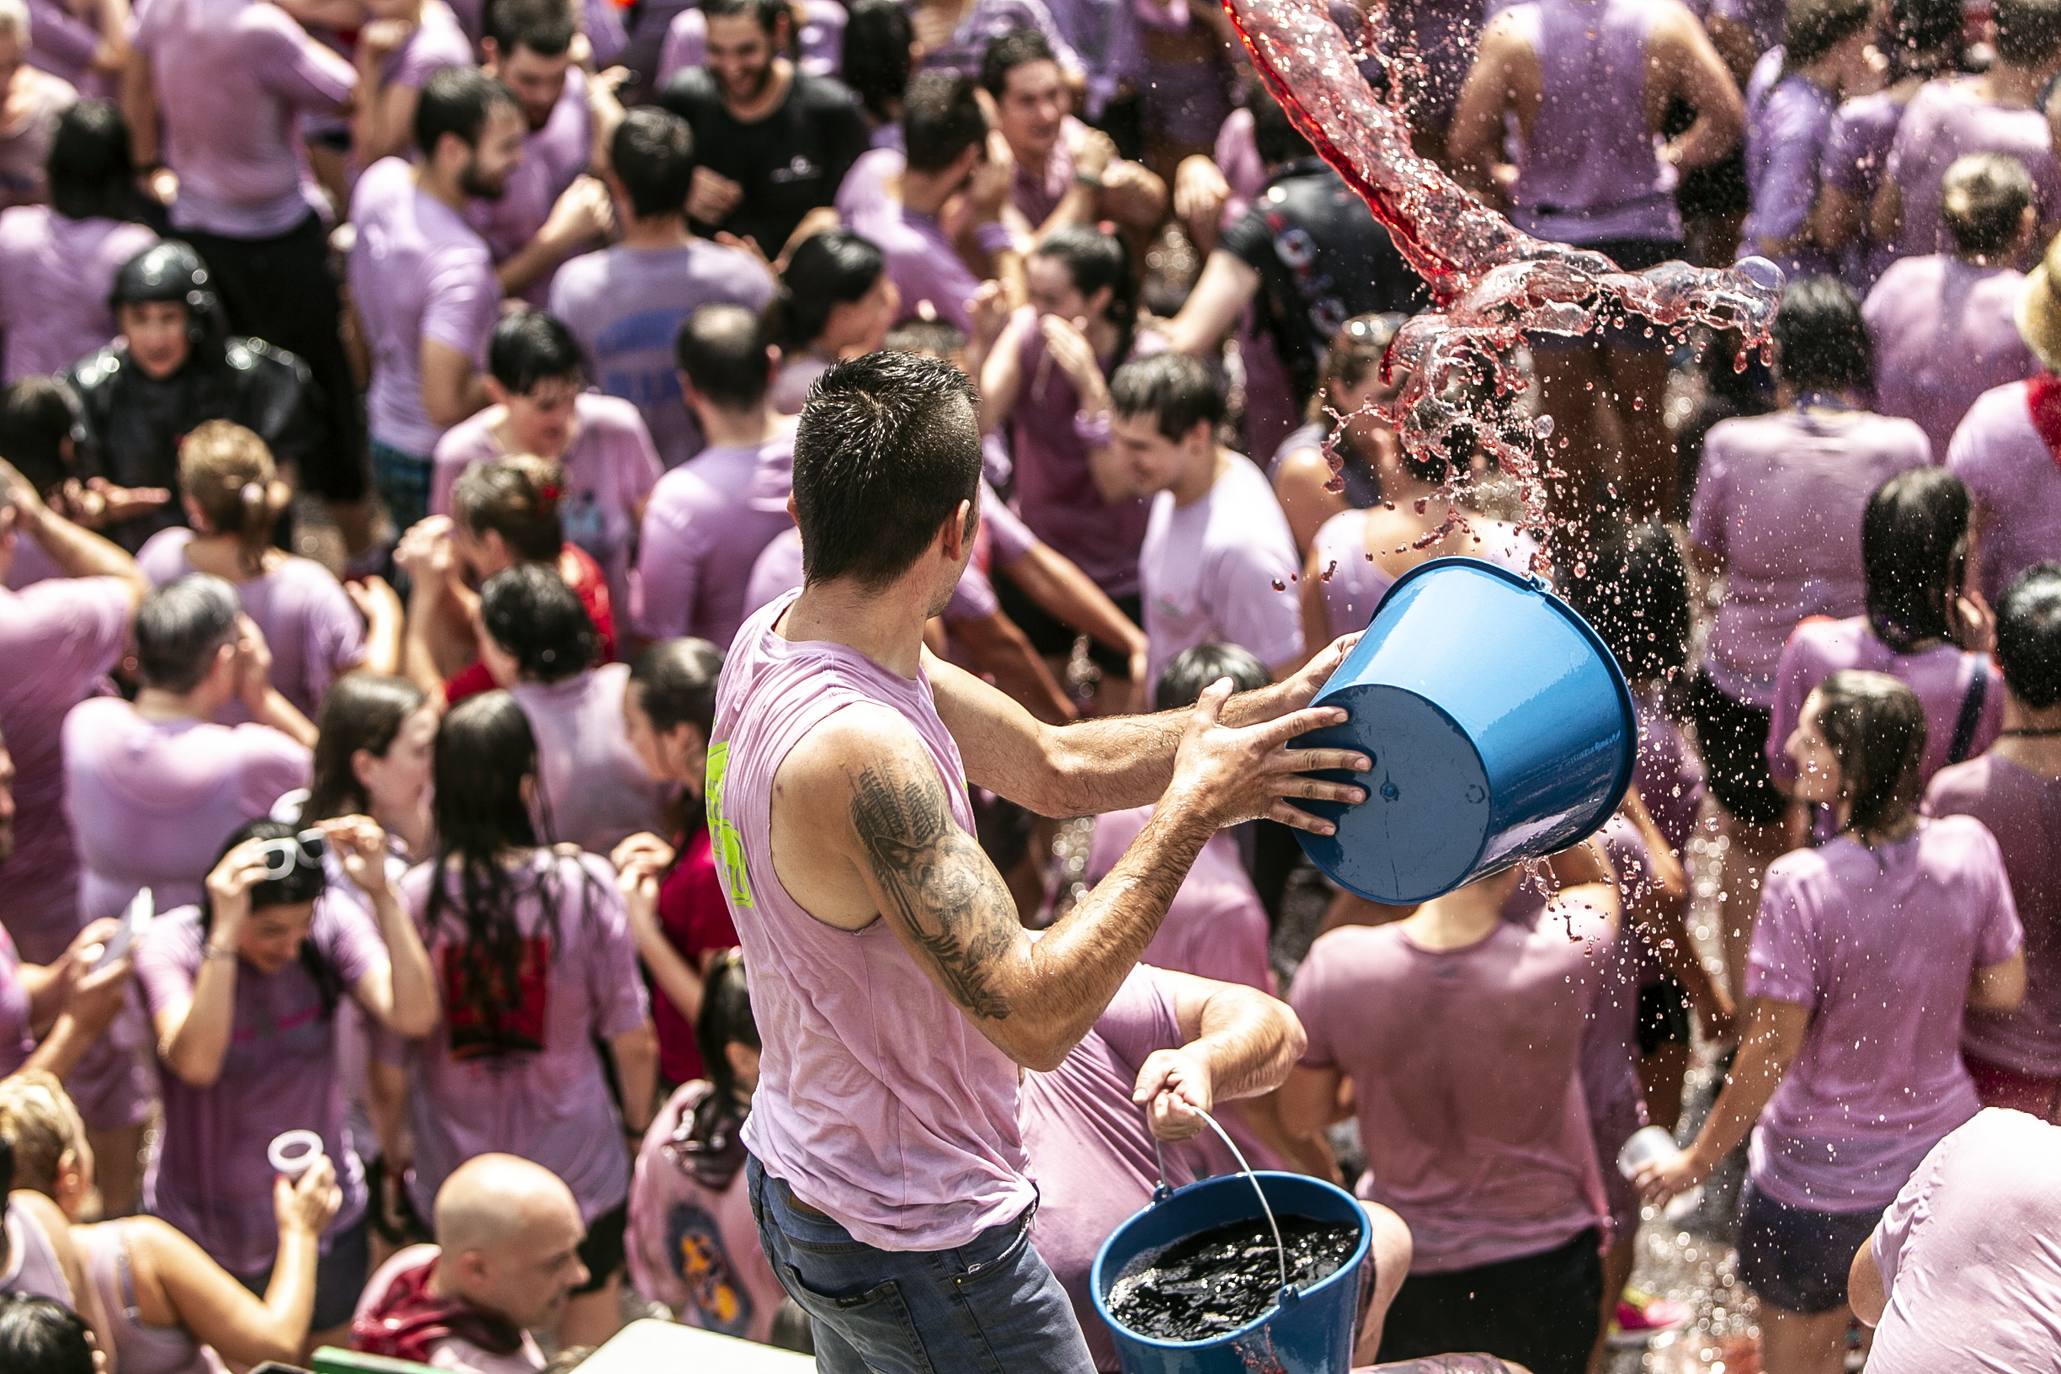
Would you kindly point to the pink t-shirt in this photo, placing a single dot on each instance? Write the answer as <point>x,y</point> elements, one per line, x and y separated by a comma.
<point>1880,945</point>
<point>209,1175</point>
<point>1089,1148</point>
<point>233,79</point>
<point>1967,1254</point>
<point>55,276</point>
<point>59,637</point>
<point>879,1102</point>
<point>2016,482</point>
<point>921,259</point>
<point>30,1266</point>
<point>456,1354</point>
<point>552,158</point>
<point>17,1035</point>
<point>1467,1065</point>
<point>1779,502</point>
<point>610,471</point>
<point>1944,331</point>
<point>437,42</point>
<point>1221,569</point>
<point>1353,583</point>
<point>548,1103</point>
<point>707,523</point>
<point>418,271</point>
<point>692,1246</point>
<point>313,630</point>
<point>1943,677</point>
<point>152,801</point>
<point>1669,775</point>
<point>589,782</point>
<point>139,1347</point>
<point>1946,121</point>
<point>2023,811</point>
<point>1215,927</point>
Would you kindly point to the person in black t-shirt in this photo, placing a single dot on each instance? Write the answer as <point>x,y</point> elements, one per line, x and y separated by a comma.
<point>1309,252</point>
<point>774,141</point>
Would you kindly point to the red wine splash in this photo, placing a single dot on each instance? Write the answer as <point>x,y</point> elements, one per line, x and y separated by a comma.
<point>1490,281</point>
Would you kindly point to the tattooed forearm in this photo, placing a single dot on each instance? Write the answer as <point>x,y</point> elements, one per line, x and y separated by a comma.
<point>939,886</point>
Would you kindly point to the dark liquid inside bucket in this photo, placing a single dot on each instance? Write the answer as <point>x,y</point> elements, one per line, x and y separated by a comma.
<point>1221,1279</point>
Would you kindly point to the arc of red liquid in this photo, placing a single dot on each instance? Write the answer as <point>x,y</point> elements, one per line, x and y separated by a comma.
<point>1491,282</point>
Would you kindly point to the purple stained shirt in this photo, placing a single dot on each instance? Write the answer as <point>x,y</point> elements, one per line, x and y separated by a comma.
<point>1353,583</point>
<point>1855,161</point>
<point>1786,129</point>
<point>1669,775</point>
<point>1221,569</point>
<point>707,523</point>
<point>819,41</point>
<point>1104,35</point>
<point>418,272</point>
<point>63,43</point>
<point>1215,926</point>
<point>17,1034</point>
<point>921,259</point>
<point>626,305</point>
<point>1760,18</point>
<point>1943,677</point>
<point>209,1175</point>
<point>55,277</point>
<point>2023,811</point>
<point>1467,1067</point>
<point>25,144</point>
<point>549,1104</point>
<point>590,787</point>
<point>61,637</point>
<point>552,159</point>
<point>233,79</point>
<point>152,801</point>
<point>610,471</point>
<point>313,630</point>
<point>1945,121</point>
<point>986,20</point>
<point>1778,502</point>
<point>1969,1268</point>
<point>435,43</point>
<point>1944,332</point>
<point>2016,482</point>
<point>1879,1079</point>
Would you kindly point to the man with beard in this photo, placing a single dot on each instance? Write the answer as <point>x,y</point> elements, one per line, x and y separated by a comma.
<point>552,209</point>
<point>422,280</point>
<point>774,141</point>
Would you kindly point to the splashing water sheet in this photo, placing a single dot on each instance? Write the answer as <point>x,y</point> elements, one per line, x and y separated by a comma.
<point>1490,282</point>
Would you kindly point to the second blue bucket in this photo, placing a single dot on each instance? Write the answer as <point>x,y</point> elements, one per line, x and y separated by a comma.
<point>1499,726</point>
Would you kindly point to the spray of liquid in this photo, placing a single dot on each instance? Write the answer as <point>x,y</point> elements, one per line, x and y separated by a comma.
<point>1490,282</point>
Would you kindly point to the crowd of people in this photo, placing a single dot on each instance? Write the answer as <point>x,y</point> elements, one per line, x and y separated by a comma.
<point>571,570</point>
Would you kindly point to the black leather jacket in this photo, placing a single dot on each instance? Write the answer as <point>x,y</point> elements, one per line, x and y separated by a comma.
<point>130,425</point>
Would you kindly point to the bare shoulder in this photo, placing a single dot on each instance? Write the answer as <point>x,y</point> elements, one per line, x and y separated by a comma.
<point>820,774</point>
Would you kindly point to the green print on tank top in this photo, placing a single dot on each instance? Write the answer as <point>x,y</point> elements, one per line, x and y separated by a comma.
<point>724,840</point>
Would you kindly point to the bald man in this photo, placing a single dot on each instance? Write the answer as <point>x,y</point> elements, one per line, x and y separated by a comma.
<point>505,1262</point>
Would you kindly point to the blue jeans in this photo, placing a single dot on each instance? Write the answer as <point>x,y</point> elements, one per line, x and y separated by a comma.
<point>991,1305</point>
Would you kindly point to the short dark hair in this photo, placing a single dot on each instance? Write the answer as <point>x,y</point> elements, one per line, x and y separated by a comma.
<point>1636,595</point>
<point>767,12</point>
<point>826,270</point>
<point>457,101</point>
<point>875,59</point>
<point>1182,682</point>
<point>533,346</point>
<point>941,119</point>
<point>530,611</point>
<point>2029,636</point>
<point>1274,135</point>
<point>1176,390</point>
<point>1914,555</point>
<point>887,447</point>
<point>652,154</point>
<point>38,1336</point>
<point>677,682</point>
<point>179,629</point>
<point>1983,200</point>
<point>1823,343</point>
<point>92,175</point>
<point>545,27</point>
<point>722,350</point>
<point>1008,51</point>
<point>1812,28</point>
<point>37,415</point>
<point>2028,31</point>
<point>1920,32</point>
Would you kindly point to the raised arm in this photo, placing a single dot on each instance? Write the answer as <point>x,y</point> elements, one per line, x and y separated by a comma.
<point>1238,1042</point>
<point>1685,59</point>
<point>193,1036</point>
<point>76,550</point>
<point>401,994</point>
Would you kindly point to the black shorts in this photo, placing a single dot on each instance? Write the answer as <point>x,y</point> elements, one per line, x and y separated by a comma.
<point>602,1250</point>
<point>1719,189</point>
<point>1794,1257</point>
<point>1052,639</point>
<point>1539,1310</point>
<point>1663,1015</point>
<point>1733,738</point>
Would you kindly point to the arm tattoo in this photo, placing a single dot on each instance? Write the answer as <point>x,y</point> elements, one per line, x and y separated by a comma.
<point>935,879</point>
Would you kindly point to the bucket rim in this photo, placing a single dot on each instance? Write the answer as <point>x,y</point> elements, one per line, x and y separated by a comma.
<point>1531,582</point>
<point>1098,1291</point>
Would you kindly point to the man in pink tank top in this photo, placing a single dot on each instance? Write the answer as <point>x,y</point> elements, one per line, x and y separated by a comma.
<point>896,992</point>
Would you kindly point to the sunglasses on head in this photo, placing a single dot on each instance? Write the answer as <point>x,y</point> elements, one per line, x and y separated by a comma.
<point>289,852</point>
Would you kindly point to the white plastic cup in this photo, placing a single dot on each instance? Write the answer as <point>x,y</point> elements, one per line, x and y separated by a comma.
<point>293,1153</point>
<point>1654,1145</point>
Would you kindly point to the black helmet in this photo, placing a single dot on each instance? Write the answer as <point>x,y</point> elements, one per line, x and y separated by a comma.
<point>170,271</point>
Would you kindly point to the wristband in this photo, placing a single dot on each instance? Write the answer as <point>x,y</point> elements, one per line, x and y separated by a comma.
<point>211,951</point>
<point>994,237</point>
<point>1093,183</point>
<point>1093,430</point>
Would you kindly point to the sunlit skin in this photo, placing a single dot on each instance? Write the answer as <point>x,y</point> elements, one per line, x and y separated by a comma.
<point>541,420</point>
<point>1033,110</point>
<point>271,936</point>
<point>496,156</point>
<point>678,755</point>
<point>1152,461</point>
<point>157,333</point>
<point>396,783</point>
<point>740,57</point>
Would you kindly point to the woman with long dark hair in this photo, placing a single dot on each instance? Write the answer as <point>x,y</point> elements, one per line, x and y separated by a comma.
<point>534,963</point>
<point>243,991</point>
<point>834,300</point>
<point>1866,956</point>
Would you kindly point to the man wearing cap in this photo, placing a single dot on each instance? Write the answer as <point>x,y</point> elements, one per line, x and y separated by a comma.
<point>2007,449</point>
<point>174,365</point>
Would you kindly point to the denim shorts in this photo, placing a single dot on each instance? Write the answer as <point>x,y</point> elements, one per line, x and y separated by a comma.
<point>1794,1257</point>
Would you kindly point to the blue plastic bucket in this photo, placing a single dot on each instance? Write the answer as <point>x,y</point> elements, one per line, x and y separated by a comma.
<point>1309,1332</point>
<point>1498,723</point>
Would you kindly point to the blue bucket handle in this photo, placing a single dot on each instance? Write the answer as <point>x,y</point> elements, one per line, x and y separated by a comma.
<point>1163,1191</point>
